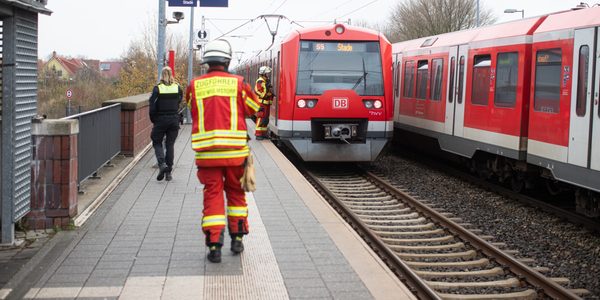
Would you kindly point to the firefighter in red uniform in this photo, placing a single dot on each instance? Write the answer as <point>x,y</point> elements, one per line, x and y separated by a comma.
<point>219,102</point>
<point>264,90</point>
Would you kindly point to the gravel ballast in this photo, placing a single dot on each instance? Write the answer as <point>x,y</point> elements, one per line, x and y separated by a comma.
<point>568,250</point>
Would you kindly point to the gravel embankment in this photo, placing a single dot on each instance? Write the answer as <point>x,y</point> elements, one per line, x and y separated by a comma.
<point>569,251</point>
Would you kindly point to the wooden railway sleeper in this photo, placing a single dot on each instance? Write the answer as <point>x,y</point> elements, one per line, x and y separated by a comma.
<point>496,271</point>
<point>469,254</point>
<point>522,295</point>
<point>404,227</point>
<point>482,262</point>
<point>505,283</point>
<point>455,246</point>
<point>403,221</point>
<point>419,234</point>
<point>441,239</point>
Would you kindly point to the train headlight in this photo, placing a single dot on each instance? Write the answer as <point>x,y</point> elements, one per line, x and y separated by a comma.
<point>301,103</point>
<point>368,104</point>
<point>354,130</point>
<point>377,104</point>
<point>340,29</point>
<point>311,103</point>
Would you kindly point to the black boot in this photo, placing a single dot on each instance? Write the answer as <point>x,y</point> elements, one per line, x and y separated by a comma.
<point>214,254</point>
<point>236,244</point>
<point>168,177</point>
<point>162,171</point>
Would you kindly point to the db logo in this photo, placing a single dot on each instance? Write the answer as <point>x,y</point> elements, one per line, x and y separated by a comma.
<point>340,103</point>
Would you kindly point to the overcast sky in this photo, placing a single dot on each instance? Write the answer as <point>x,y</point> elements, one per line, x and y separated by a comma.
<point>104,29</point>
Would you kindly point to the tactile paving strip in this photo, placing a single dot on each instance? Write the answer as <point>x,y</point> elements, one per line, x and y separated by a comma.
<point>261,278</point>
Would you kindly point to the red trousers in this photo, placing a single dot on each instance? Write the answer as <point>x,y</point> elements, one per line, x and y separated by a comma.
<point>216,180</point>
<point>262,120</point>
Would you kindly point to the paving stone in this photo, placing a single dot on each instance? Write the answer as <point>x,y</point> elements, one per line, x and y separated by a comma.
<point>149,270</point>
<point>299,273</point>
<point>153,260</point>
<point>79,269</point>
<point>106,281</point>
<point>305,283</point>
<point>68,278</point>
<point>358,295</point>
<point>310,293</point>
<point>121,272</point>
<point>103,264</point>
<point>73,261</point>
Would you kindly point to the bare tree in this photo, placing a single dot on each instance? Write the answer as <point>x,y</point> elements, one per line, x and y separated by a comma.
<point>413,19</point>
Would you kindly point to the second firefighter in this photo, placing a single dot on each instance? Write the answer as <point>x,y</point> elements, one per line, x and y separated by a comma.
<point>264,90</point>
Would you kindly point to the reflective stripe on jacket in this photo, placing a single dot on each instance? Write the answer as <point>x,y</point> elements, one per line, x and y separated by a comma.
<point>263,91</point>
<point>219,103</point>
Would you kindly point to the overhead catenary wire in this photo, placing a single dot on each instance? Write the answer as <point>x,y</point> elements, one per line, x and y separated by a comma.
<point>280,5</point>
<point>357,9</point>
<point>213,24</point>
<point>333,9</point>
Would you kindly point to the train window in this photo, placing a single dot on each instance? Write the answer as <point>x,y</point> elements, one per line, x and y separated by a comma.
<point>481,79</point>
<point>409,79</point>
<point>436,78</point>
<point>507,72</point>
<point>422,77</point>
<point>548,75</point>
<point>582,80</point>
<point>452,70</point>
<point>461,79</point>
<point>325,65</point>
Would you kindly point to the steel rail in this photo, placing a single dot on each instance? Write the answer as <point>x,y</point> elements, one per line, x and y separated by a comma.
<point>549,287</point>
<point>419,287</point>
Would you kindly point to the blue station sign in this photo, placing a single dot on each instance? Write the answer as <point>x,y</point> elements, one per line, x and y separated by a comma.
<point>214,3</point>
<point>183,3</point>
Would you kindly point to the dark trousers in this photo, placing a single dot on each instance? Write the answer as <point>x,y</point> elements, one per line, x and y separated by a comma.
<point>165,126</point>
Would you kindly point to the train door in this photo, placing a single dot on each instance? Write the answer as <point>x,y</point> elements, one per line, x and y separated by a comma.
<point>595,153</point>
<point>397,83</point>
<point>581,97</point>
<point>451,88</point>
<point>461,80</point>
<point>276,86</point>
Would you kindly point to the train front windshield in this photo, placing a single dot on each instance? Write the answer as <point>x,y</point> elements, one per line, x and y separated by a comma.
<point>326,66</point>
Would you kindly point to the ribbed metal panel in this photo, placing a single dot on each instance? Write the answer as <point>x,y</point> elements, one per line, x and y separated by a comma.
<point>25,93</point>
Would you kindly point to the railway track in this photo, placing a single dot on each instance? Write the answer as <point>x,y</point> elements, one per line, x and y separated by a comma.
<point>438,256</point>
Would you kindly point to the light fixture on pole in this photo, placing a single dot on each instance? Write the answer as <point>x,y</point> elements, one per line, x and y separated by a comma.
<point>512,10</point>
<point>162,27</point>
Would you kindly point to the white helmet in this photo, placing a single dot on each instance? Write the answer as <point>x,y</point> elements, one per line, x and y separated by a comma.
<point>217,51</point>
<point>264,70</point>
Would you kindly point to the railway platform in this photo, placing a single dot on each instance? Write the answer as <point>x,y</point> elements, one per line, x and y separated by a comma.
<point>145,242</point>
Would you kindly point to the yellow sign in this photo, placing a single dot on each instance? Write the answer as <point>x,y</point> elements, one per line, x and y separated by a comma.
<point>344,47</point>
<point>543,58</point>
<point>216,86</point>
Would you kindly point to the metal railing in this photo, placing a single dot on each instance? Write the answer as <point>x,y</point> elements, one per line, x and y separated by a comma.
<point>99,139</point>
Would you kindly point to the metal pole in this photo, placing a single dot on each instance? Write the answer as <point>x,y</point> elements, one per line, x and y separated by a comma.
<point>188,116</point>
<point>477,13</point>
<point>162,26</point>
<point>191,53</point>
<point>523,14</point>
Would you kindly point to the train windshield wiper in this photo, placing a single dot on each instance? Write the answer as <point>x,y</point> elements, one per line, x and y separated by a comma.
<point>364,76</point>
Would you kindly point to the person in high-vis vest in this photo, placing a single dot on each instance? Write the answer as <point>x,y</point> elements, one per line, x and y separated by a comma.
<point>164,114</point>
<point>219,103</point>
<point>264,90</point>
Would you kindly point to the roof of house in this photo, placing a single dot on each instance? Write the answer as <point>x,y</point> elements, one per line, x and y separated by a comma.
<point>72,65</point>
<point>38,6</point>
<point>114,68</point>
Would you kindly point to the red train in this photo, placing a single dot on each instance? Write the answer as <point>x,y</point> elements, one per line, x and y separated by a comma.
<point>519,99</point>
<point>333,92</point>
